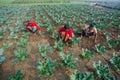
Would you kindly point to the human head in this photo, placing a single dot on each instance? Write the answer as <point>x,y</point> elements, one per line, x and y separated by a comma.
<point>92,25</point>
<point>29,21</point>
<point>66,26</point>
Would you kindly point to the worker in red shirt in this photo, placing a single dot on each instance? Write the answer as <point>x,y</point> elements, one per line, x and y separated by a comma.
<point>32,26</point>
<point>65,32</point>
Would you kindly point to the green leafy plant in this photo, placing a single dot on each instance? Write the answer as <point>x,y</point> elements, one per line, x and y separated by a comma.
<point>23,28</point>
<point>1,37</point>
<point>16,29</point>
<point>20,54</point>
<point>2,58</point>
<point>81,75</point>
<point>77,31</point>
<point>67,59</point>
<point>118,39</point>
<point>54,36</point>
<point>22,42</point>
<point>74,39</point>
<point>99,48</point>
<point>86,53</point>
<point>59,45</point>
<point>25,34</point>
<point>45,67</point>
<point>43,49</point>
<point>1,31</point>
<point>107,33</point>
<point>7,45</point>
<point>17,76</point>
<point>12,36</point>
<point>110,42</point>
<point>115,60</point>
<point>50,29</point>
<point>40,32</point>
<point>5,29</point>
<point>102,70</point>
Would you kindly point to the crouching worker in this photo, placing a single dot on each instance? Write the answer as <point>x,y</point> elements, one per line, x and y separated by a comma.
<point>32,26</point>
<point>90,31</point>
<point>65,32</point>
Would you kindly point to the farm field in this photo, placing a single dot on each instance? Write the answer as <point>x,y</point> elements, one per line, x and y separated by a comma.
<point>43,57</point>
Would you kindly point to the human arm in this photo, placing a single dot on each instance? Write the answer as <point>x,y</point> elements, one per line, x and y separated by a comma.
<point>95,36</point>
<point>61,29</point>
<point>70,32</point>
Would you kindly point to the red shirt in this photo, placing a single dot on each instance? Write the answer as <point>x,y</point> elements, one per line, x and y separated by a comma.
<point>32,24</point>
<point>68,31</point>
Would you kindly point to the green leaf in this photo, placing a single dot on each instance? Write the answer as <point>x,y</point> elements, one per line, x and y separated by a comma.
<point>67,60</point>
<point>81,75</point>
<point>2,58</point>
<point>45,67</point>
<point>101,70</point>
<point>43,49</point>
<point>20,54</point>
<point>1,37</point>
<point>22,42</point>
<point>7,45</point>
<point>54,36</point>
<point>50,29</point>
<point>59,45</point>
<point>17,76</point>
<point>1,51</point>
<point>115,60</point>
<point>100,48</point>
<point>86,53</point>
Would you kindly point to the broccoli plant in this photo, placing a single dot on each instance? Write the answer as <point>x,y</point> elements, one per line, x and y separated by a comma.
<point>45,67</point>
<point>102,70</point>
<point>86,53</point>
<point>7,45</point>
<point>1,37</point>
<point>23,28</point>
<point>54,36</point>
<point>110,42</point>
<point>67,59</point>
<point>99,48</point>
<point>16,29</point>
<point>59,45</point>
<point>50,29</point>
<point>40,32</point>
<point>1,31</point>
<point>74,39</point>
<point>43,49</point>
<point>81,75</point>
<point>22,42</point>
<point>115,60</point>
<point>2,58</point>
<point>12,36</point>
<point>4,29</point>
<point>118,39</point>
<point>25,34</point>
<point>20,54</point>
<point>17,76</point>
<point>77,31</point>
<point>107,33</point>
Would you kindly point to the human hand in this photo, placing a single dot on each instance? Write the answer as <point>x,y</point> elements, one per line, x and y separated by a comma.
<point>95,41</point>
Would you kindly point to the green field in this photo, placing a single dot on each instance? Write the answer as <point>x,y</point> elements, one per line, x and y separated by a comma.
<point>26,56</point>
